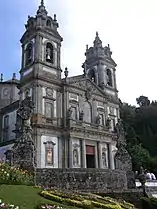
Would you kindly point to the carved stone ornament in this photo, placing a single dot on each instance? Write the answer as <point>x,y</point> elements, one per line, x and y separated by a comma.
<point>49,92</point>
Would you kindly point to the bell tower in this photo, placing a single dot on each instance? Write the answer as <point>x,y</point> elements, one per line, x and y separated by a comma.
<point>41,46</point>
<point>100,67</point>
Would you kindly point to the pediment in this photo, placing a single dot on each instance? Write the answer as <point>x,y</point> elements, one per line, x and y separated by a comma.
<point>87,85</point>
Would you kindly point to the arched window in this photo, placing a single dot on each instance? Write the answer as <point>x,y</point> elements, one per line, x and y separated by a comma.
<point>109,77</point>
<point>91,75</point>
<point>29,53</point>
<point>48,23</point>
<point>49,53</point>
<point>87,110</point>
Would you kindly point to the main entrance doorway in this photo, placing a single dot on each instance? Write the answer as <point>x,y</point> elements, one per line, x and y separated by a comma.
<point>90,156</point>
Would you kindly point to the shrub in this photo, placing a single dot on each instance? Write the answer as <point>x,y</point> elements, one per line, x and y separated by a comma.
<point>88,201</point>
<point>12,175</point>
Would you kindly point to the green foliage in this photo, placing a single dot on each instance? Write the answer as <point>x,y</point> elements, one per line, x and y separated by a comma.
<point>141,132</point>
<point>12,175</point>
<point>140,156</point>
<point>143,101</point>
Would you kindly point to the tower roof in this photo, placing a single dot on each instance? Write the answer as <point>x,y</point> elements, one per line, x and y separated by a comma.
<point>41,22</point>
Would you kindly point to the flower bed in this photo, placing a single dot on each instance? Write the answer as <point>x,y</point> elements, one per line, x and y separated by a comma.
<point>7,206</point>
<point>85,200</point>
<point>12,175</point>
<point>49,206</point>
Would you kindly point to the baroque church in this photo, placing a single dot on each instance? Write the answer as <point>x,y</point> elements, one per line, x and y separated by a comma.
<point>74,118</point>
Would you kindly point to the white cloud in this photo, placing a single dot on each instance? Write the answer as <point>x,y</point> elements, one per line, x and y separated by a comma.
<point>128,26</point>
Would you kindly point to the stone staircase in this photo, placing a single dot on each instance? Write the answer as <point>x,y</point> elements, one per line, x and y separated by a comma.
<point>151,187</point>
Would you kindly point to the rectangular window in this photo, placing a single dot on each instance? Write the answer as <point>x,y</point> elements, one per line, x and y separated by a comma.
<point>48,110</point>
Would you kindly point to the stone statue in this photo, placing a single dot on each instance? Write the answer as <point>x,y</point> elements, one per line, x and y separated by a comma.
<point>81,115</point>
<point>98,119</point>
<point>75,157</point>
<point>108,123</point>
<point>69,112</point>
<point>104,160</point>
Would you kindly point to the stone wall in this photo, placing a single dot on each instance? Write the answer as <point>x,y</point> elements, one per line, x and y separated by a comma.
<point>91,180</point>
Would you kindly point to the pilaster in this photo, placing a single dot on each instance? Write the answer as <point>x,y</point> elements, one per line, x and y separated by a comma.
<point>83,154</point>
<point>99,155</point>
<point>70,159</point>
<point>111,157</point>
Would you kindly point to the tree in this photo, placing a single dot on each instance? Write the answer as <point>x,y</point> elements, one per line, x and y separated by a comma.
<point>143,101</point>
<point>140,156</point>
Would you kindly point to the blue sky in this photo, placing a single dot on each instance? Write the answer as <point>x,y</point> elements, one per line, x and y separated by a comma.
<point>129,26</point>
<point>13,15</point>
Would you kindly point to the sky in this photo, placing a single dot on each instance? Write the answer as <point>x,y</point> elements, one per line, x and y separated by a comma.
<point>129,26</point>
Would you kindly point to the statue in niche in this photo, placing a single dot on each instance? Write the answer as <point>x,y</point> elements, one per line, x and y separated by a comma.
<point>108,123</point>
<point>81,115</point>
<point>70,112</point>
<point>75,157</point>
<point>98,119</point>
<point>104,160</point>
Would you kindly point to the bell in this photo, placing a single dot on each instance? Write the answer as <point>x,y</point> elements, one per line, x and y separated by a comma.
<point>48,57</point>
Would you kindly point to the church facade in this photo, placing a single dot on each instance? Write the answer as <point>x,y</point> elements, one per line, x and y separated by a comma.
<point>74,118</point>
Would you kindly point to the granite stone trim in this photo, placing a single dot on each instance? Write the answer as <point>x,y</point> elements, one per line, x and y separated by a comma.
<point>82,179</point>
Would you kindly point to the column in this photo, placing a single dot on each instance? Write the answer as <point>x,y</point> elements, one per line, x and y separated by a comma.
<point>111,157</point>
<point>99,155</point>
<point>83,154</point>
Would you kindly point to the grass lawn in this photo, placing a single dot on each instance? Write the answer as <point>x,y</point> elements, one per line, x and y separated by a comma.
<point>26,197</point>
